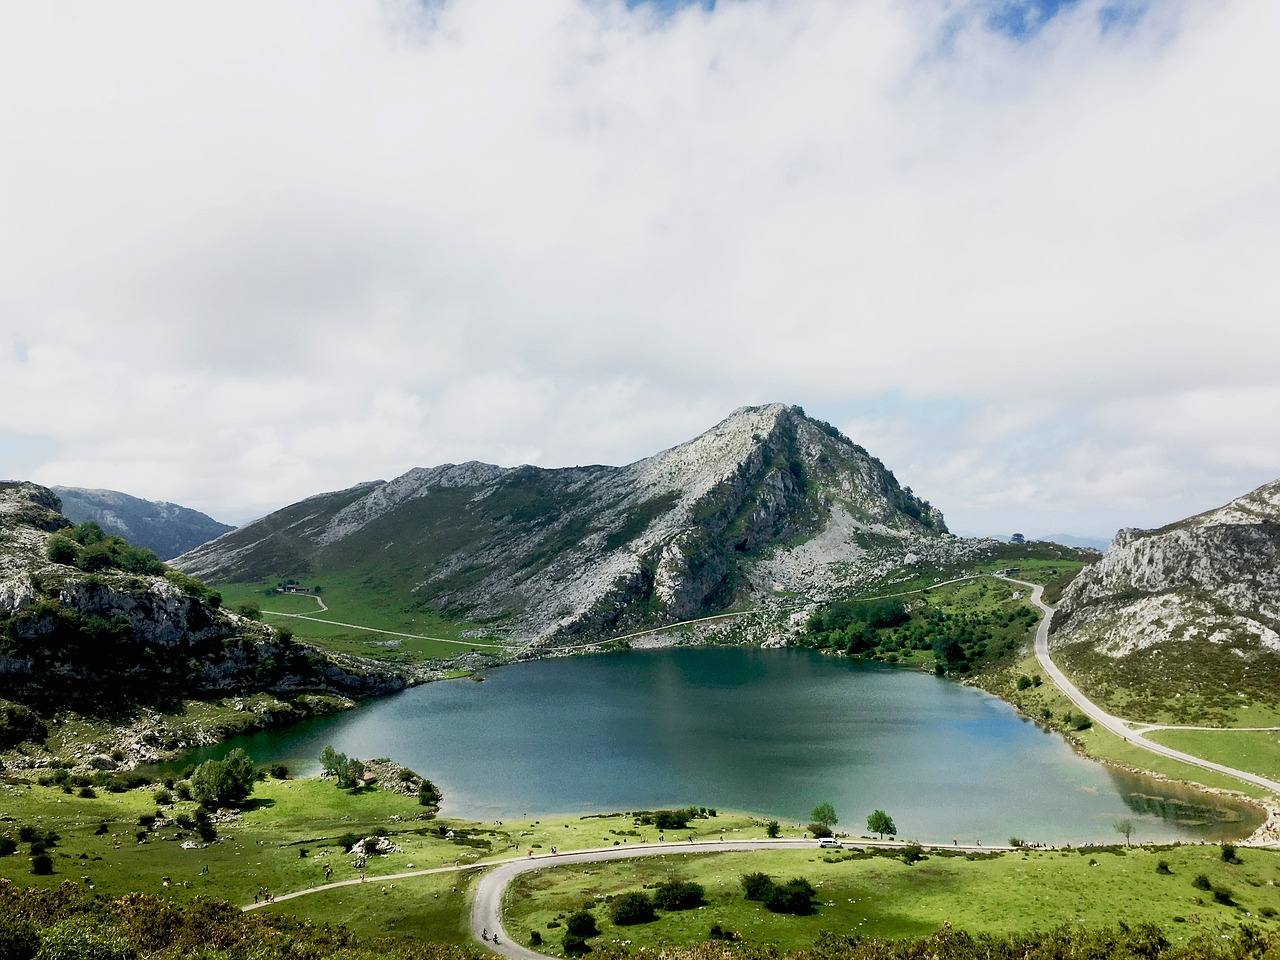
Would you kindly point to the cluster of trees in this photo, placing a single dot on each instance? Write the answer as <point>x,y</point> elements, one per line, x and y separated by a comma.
<point>90,548</point>
<point>225,782</point>
<point>822,819</point>
<point>629,909</point>
<point>794,896</point>
<point>347,771</point>
<point>674,819</point>
<point>885,629</point>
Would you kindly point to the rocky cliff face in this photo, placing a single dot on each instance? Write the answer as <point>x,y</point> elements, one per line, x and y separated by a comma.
<point>1193,602</point>
<point>767,500</point>
<point>167,529</point>
<point>109,641</point>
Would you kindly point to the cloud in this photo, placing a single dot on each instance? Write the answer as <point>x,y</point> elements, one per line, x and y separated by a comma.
<point>253,251</point>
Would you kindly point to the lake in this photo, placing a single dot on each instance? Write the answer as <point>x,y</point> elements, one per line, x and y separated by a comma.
<point>769,731</point>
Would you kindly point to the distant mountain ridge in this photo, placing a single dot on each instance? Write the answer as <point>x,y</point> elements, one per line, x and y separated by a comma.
<point>769,499</point>
<point>167,529</point>
<point>1195,603</point>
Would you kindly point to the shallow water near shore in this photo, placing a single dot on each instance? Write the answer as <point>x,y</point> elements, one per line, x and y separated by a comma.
<point>770,731</point>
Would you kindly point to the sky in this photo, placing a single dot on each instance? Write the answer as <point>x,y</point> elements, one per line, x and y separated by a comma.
<point>1025,252</point>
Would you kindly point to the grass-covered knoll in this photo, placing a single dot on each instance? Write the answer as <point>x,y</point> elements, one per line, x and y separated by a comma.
<point>953,628</point>
<point>1255,751</point>
<point>875,895</point>
<point>367,602</point>
<point>1185,682</point>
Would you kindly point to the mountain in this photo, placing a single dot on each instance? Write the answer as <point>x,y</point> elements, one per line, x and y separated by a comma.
<point>768,500</point>
<point>1070,540</point>
<point>1183,620</point>
<point>166,529</point>
<point>95,625</point>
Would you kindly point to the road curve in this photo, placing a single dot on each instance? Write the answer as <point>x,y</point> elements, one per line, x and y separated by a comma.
<point>486,908</point>
<point>1116,725</point>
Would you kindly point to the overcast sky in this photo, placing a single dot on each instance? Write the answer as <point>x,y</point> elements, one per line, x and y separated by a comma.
<point>1027,253</point>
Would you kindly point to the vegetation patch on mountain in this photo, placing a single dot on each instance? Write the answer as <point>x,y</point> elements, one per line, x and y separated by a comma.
<point>167,529</point>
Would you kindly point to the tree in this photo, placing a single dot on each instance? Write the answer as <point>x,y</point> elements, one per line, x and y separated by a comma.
<point>42,864</point>
<point>351,774</point>
<point>249,609</point>
<point>631,908</point>
<point>772,830</point>
<point>880,822</point>
<point>18,940</point>
<point>1017,538</point>
<point>825,814</point>
<point>331,761</point>
<point>1125,829</point>
<point>228,781</point>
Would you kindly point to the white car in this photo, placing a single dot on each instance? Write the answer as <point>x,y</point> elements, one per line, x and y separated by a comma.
<point>830,842</point>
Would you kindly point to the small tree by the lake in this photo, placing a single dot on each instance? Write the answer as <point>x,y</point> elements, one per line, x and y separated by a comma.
<point>228,781</point>
<point>772,830</point>
<point>825,814</point>
<point>1125,828</point>
<point>880,822</point>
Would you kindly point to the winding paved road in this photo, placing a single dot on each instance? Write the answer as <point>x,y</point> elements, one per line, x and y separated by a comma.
<point>1116,725</point>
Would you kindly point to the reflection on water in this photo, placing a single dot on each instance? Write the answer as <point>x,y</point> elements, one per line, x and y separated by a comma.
<point>771,731</point>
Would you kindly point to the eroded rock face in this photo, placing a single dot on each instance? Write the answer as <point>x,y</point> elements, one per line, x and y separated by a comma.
<point>554,556</point>
<point>70,638</point>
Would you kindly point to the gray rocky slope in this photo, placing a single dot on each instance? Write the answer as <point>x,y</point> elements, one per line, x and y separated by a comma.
<point>167,529</point>
<point>1213,578</point>
<point>1183,621</point>
<point>767,501</point>
<point>111,640</point>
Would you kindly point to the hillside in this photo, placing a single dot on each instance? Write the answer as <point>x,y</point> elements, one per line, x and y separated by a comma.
<point>91,624</point>
<point>166,529</point>
<point>767,501</point>
<point>1182,622</point>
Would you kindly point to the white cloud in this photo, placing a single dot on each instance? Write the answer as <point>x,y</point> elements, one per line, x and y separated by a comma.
<point>252,251</point>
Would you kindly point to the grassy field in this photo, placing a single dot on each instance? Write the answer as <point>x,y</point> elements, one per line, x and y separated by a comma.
<point>282,840</point>
<point>882,897</point>
<point>353,600</point>
<point>1255,751</point>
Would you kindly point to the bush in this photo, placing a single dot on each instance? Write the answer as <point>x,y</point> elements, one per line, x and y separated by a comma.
<point>756,886</point>
<point>62,550</point>
<point>718,932</point>
<point>1201,882</point>
<point>1163,867</point>
<point>18,940</point>
<point>7,846</point>
<point>535,939</point>
<point>249,609</point>
<point>279,771</point>
<point>631,908</point>
<point>581,924</point>
<point>1224,896</point>
<point>1229,854</point>
<point>794,897</point>
<point>679,895</point>
<point>82,938</point>
<point>819,829</point>
<point>87,793</point>
<point>19,724</point>
<point>42,865</point>
<point>911,853</point>
<point>576,946</point>
<point>163,798</point>
<point>348,840</point>
<point>772,830</point>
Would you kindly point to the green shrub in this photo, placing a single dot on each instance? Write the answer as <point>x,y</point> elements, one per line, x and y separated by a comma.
<point>535,939</point>
<point>83,938</point>
<point>7,846</point>
<point>87,793</point>
<point>678,895</point>
<point>42,864</point>
<point>581,924</point>
<point>1229,854</point>
<point>228,781</point>
<point>756,886</point>
<point>1201,882</point>
<point>576,946</point>
<point>1163,868</point>
<point>628,909</point>
<point>18,940</point>
<point>62,550</point>
<point>794,897</point>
